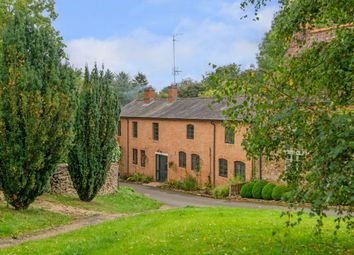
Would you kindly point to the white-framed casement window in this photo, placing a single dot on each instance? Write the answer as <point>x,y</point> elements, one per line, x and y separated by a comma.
<point>294,158</point>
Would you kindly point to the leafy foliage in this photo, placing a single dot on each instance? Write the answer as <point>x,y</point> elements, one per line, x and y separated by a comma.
<point>128,89</point>
<point>267,191</point>
<point>279,191</point>
<point>36,103</point>
<point>95,130</point>
<point>221,191</point>
<point>257,188</point>
<point>139,177</point>
<point>246,190</point>
<point>302,101</point>
<point>186,88</point>
<point>189,184</point>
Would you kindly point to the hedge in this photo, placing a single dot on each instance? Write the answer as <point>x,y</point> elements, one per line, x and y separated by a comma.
<point>246,190</point>
<point>257,188</point>
<point>279,191</point>
<point>267,191</point>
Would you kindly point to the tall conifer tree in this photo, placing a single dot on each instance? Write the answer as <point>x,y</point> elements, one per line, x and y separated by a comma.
<point>36,106</point>
<point>95,132</point>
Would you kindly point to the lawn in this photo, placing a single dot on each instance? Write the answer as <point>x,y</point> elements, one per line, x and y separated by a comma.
<point>124,201</point>
<point>195,231</point>
<point>16,223</point>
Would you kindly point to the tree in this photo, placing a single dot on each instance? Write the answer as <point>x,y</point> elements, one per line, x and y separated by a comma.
<point>211,85</point>
<point>128,89</point>
<point>302,103</point>
<point>190,88</point>
<point>36,105</point>
<point>95,132</point>
<point>140,81</point>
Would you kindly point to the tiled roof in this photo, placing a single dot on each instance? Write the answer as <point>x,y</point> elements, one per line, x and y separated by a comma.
<point>182,108</point>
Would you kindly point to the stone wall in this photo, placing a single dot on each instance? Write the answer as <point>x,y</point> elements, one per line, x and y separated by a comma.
<point>61,182</point>
<point>272,170</point>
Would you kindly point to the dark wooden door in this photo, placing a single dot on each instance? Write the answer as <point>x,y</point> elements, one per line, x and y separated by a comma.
<point>161,168</point>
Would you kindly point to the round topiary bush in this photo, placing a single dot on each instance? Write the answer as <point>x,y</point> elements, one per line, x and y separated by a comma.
<point>257,188</point>
<point>267,191</point>
<point>246,190</point>
<point>279,191</point>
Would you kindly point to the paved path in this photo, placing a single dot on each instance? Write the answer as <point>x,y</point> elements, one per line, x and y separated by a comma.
<point>178,199</point>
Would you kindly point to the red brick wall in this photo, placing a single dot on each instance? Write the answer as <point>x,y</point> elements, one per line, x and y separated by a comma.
<point>172,139</point>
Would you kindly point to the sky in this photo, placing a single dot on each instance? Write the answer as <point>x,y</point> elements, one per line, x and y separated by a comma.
<point>136,35</point>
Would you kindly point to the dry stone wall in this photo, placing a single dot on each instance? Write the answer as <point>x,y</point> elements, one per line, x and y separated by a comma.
<point>61,182</point>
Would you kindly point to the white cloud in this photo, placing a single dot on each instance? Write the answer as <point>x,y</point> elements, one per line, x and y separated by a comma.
<point>202,42</point>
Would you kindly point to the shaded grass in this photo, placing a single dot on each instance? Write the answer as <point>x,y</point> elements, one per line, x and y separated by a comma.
<point>124,201</point>
<point>195,231</point>
<point>16,223</point>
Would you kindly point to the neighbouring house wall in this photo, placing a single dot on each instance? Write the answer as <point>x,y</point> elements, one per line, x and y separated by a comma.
<point>61,183</point>
<point>172,139</point>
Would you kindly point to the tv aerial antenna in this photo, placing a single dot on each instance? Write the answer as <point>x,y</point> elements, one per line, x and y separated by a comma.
<point>176,71</point>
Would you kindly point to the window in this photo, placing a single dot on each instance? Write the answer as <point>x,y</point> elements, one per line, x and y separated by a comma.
<point>223,167</point>
<point>239,168</point>
<point>135,129</point>
<point>155,131</point>
<point>182,159</point>
<point>135,156</point>
<point>190,131</point>
<point>119,128</point>
<point>229,135</point>
<point>294,159</point>
<point>195,162</point>
<point>143,158</point>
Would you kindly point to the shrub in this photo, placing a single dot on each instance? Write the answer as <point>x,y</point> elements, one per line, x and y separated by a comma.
<point>286,197</point>
<point>267,191</point>
<point>221,191</point>
<point>235,180</point>
<point>148,179</point>
<point>246,190</point>
<point>257,188</point>
<point>278,192</point>
<point>189,183</point>
<point>136,177</point>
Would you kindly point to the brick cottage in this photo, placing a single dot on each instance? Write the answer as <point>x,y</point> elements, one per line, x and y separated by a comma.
<point>169,139</point>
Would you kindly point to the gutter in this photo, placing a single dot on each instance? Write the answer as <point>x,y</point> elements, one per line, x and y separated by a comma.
<point>214,150</point>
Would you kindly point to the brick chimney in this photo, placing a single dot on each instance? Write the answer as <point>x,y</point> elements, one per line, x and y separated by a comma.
<point>172,93</point>
<point>149,95</point>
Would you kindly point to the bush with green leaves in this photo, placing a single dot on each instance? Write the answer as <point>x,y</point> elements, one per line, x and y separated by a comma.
<point>140,178</point>
<point>246,190</point>
<point>278,192</point>
<point>95,133</point>
<point>221,191</point>
<point>257,188</point>
<point>136,177</point>
<point>37,101</point>
<point>267,191</point>
<point>189,183</point>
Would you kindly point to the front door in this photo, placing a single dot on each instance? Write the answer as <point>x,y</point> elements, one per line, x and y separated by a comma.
<point>161,168</point>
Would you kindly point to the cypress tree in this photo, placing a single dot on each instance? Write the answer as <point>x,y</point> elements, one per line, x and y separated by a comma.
<point>95,132</point>
<point>36,104</point>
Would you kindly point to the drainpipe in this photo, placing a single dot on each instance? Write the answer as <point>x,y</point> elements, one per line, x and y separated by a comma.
<point>214,149</point>
<point>128,149</point>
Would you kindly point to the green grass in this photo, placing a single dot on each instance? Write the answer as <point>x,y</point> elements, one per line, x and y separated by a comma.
<point>16,223</point>
<point>195,231</point>
<point>124,201</point>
